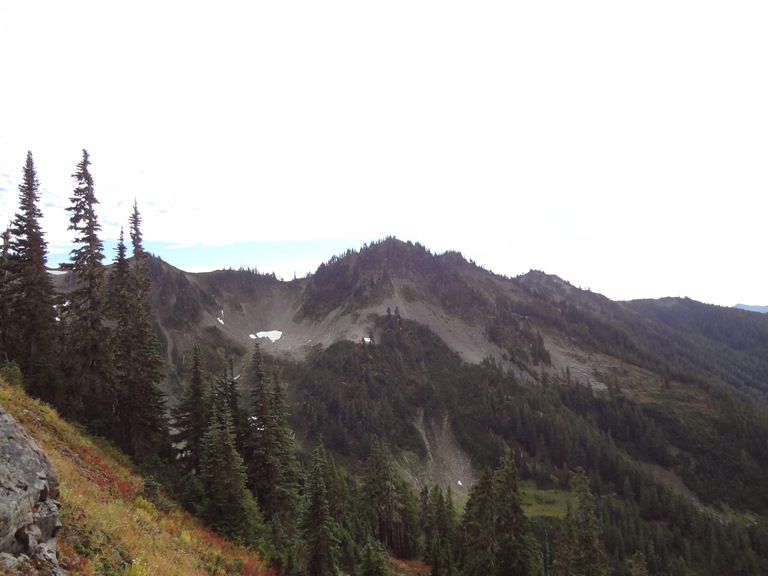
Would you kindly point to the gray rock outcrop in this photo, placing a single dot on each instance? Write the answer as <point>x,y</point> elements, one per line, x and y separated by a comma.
<point>29,512</point>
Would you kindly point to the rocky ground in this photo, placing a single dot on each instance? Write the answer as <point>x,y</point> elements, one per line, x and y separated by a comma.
<point>29,512</point>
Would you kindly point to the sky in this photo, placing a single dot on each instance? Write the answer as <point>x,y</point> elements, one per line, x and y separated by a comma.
<point>622,146</point>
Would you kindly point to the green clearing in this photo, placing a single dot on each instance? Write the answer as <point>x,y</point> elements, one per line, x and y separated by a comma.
<point>538,502</point>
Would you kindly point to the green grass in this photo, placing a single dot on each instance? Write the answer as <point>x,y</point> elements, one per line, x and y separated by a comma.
<point>538,502</point>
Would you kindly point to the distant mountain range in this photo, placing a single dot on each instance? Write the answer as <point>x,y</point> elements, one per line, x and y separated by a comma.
<point>658,400</point>
<point>763,309</point>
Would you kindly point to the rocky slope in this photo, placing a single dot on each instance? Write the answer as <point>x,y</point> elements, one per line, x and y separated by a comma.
<point>29,512</point>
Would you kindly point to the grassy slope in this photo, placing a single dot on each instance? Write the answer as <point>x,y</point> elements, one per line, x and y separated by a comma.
<point>109,528</point>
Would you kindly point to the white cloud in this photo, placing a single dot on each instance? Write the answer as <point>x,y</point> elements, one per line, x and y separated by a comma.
<point>619,146</point>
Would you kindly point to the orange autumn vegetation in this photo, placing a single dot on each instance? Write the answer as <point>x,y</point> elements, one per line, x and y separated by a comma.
<point>108,526</point>
<point>408,567</point>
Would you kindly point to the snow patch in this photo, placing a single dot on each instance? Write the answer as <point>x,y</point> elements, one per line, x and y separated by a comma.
<point>271,334</point>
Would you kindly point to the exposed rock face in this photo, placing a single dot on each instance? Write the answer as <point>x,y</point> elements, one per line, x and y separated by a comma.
<point>29,513</point>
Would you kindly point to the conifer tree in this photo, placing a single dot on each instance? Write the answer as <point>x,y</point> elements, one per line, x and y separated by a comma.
<point>407,541</point>
<point>191,415</point>
<point>481,547</point>
<point>237,408</point>
<point>427,521</point>
<point>273,471</point>
<point>139,404</point>
<point>148,428</point>
<point>580,551</point>
<point>564,563</point>
<point>285,494</point>
<point>119,294</point>
<point>389,505</point>
<point>5,292</point>
<point>30,331</point>
<point>439,530</point>
<point>637,565</point>
<point>497,535</point>
<point>119,301</point>
<point>258,449</point>
<point>450,528</point>
<point>379,493</point>
<point>87,356</point>
<point>374,559</point>
<point>318,526</point>
<point>518,553</point>
<point>228,506</point>
<point>342,500</point>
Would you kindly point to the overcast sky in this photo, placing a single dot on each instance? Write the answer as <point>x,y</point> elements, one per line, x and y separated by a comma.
<point>620,145</point>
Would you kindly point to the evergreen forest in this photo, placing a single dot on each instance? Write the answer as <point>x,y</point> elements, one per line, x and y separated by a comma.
<point>589,437</point>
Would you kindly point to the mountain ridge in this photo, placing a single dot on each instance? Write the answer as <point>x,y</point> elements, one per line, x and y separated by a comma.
<point>663,402</point>
<point>470,308</point>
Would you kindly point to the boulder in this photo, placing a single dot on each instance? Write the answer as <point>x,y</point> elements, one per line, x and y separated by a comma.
<point>29,512</point>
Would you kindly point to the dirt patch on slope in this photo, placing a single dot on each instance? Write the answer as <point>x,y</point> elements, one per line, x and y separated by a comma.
<point>446,463</point>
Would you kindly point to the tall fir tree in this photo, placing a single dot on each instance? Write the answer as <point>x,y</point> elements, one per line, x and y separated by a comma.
<point>120,297</point>
<point>388,505</point>
<point>318,525</point>
<point>30,330</point>
<point>259,460</point>
<point>87,358</point>
<point>451,520</point>
<point>480,547</point>
<point>407,534</point>
<point>5,310</point>
<point>518,550</point>
<point>374,559</point>
<point>285,494</point>
<point>273,470</point>
<point>498,539</point>
<point>343,496</point>
<point>238,407</point>
<point>637,565</point>
<point>228,505</point>
<point>190,419</point>
<point>139,426</point>
<point>270,454</point>
<point>439,526</point>
<point>191,414</point>
<point>580,551</point>
<point>140,384</point>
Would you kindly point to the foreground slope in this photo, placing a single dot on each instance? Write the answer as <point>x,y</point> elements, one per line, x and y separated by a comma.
<point>113,521</point>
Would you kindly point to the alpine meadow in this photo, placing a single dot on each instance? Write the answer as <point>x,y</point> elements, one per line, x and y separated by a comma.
<point>395,412</point>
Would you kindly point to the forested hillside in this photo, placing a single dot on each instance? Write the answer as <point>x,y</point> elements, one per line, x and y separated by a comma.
<point>404,411</point>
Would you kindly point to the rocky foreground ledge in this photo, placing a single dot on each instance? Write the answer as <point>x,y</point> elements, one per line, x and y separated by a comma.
<point>29,512</point>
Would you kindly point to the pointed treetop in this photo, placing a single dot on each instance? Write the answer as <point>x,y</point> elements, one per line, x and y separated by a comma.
<point>136,236</point>
<point>82,170</point>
